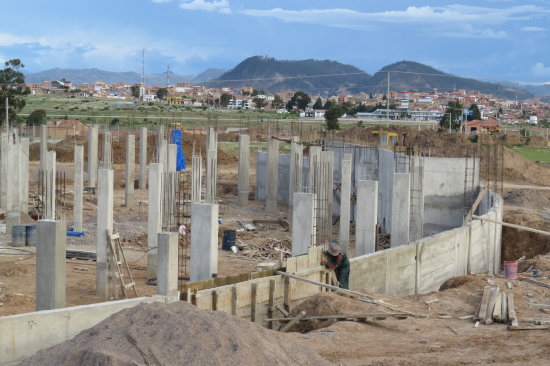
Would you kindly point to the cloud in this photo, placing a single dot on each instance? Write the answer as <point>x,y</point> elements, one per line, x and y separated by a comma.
<point>539,69</point>
<point>7,39</point>
<point>533,29</point>
<point>221,6</point>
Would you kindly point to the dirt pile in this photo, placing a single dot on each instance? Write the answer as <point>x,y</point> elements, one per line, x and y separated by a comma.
<point>528,198</point>
<point>517,243</point>
<point>512,139</point>
<point>177,334</point>
<point>517,169</point>
<point>537,141</point>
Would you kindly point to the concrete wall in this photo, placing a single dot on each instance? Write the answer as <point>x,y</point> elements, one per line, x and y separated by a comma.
<point>23,335</point>
<point>283,175</point>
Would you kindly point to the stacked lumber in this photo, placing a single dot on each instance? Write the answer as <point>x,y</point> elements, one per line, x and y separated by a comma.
<point>269,249</point>
<point>496,306</point>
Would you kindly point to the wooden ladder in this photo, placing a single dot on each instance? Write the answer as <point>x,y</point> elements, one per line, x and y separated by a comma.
<point>118,257</point>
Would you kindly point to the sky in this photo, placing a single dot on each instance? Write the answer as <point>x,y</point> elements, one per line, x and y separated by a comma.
<point>484,39</point>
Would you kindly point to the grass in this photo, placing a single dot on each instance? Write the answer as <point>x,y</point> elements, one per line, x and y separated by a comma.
<point>536,154</point>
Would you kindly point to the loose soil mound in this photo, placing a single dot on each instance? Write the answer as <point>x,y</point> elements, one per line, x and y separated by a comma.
<point>528,198</point>
<point>513,139</point>
<point>517,169</point>
<point>517,243</point>
<point>537,141</point>
<point>177,334</point>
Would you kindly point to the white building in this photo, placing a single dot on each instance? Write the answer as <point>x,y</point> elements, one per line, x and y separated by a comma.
<point>533,120</point>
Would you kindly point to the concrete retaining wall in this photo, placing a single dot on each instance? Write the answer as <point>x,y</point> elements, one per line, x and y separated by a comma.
<point>23,335</point>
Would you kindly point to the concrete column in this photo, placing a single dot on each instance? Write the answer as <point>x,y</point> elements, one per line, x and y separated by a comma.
<point>303,223</point>
<point>296,167</point>
<point>12,218</point>
<point>204,241</point>
<point>167,273</point>
<point>104,286</point>
<point>13,195</point>
<point>24,175</point>
<point>416,229</point>
<point>325,194</point>
<point>314,164</point>
<point>154,218</point>
<point>4,172</point>
<point>272,175</point>
<point>92,156</point>
<point>78,180</point>
<point>196,179</point>
<point>130,167</point>
<point>143,158</point>
<point>43,145</point>
<point>50,265</point>
<point>107,154</point>
<point>366,218</point>
<point>211,139</point>
<point>244,169</point>
<point>211,175</point>
<point>400,209</point>
<point>172,162</point>
<point>161,147</point>
<point>50,179</point>
<point>345,195</point>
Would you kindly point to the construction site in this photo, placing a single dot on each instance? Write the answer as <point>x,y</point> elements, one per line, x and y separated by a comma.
<point>207,246</point>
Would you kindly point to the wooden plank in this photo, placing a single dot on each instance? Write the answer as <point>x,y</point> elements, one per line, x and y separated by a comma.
<point>498,308</point>
<point>214,300</point>
<point>512,311</point>
<point>253,303</point>
<point>538,321</point>
<point>504,307</point>
<point>476,203</point>
<point>529,327</point>
<point>538,306</point>
<point>482,311</point>
<point>535,282</point>
<point>286,299</point>
<point>234,300</point>
<point>491,306</point>
<point>302,264</point>
<point>271,302</point>
<point>282,310</point>
<point>373,316</point>
<point>293,321</point>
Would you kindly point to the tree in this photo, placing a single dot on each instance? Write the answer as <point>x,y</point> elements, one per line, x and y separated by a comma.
<point>455,110</point>
<point>162,93</point>
<point>37,117</point>
<point>476,114</point>
<point>331,117</point>
<point>277,102</point>
<point>259,102</point>
<point>318,104</point>
<point>224,99</point>
<point>329,104</point>
<point>135,90</point>
<point>12,82</point>
<point>300,100</point>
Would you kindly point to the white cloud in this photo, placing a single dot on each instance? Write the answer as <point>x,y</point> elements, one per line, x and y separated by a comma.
<point>539,69</point>
<point>7,39</point>
<point>221,6</point>
<point>533,29</point>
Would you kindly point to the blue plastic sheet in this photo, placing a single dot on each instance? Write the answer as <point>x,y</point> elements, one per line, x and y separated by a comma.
<point>75,233</point>
<point>176,139</point>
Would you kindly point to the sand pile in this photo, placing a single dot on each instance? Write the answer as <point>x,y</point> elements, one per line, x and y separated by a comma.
<point>177,334</point>
<point>517,169</point>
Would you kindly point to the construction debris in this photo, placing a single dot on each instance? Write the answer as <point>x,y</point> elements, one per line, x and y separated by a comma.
<point>269,249</point>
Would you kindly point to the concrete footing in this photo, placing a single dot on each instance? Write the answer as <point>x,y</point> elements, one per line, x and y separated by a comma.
<point>167,272</point>
<point>204,241</point>
<point>50,265</point>
<point>303,223</point>
<point>104,286</point>
<point>244,167</point>
<point>366,218</point>
<point>400,209</point>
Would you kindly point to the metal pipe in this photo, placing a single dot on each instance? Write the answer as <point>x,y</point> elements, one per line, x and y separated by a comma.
<point>514,226</point>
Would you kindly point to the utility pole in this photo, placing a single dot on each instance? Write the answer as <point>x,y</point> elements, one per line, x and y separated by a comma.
<point>450,119</point>
<point>388,102</point>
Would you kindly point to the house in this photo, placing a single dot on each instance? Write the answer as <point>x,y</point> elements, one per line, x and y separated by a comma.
<point>61,128</point>
<point>477,126</point>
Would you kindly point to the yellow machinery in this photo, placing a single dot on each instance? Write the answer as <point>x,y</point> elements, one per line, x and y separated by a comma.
<point>387,138</point>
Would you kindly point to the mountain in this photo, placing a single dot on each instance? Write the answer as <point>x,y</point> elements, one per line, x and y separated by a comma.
<point>540,90</point>
<point>311,76</point>
<point>82,76</point>
<point>209,74</point>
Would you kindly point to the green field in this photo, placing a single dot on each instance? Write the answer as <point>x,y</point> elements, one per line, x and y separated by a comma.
<point>536,154</point>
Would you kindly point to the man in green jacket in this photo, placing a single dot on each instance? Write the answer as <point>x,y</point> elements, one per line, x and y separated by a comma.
<point>339,262</point>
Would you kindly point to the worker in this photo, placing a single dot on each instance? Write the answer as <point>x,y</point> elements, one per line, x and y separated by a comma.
<point>339,262</point>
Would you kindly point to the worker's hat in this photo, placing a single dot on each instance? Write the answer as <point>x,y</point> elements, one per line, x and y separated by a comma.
<point>334,249</point>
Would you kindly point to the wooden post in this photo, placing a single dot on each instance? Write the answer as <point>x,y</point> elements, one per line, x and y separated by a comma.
<point>293,321</point>
<point>271,302</point>
<point>253,303</point>
<point>194,297</point>
<point>286,299</point>
<point>234,300</point>
<point>214,300</point>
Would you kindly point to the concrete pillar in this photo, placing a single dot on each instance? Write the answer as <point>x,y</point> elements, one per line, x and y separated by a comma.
<point>167,273</point>
<point>303,223</point>
<point>50,265</point>
<point>296,166</point>
<point>43,145</point>
<point>172,162</point>
<point>49,183</point>
<point>416,229</point>
<point>78,180</point>
<point>196,179</point>
<point>130,167</point>
<point>272,175</point>
<point>211,139</point>
<point>314,164</point>
<point>366,218</point>
<point>161,147</point>
<point>143,158</point>
<point>154,218</point>
<point>107,157</point>
<point>92,156</point>
<point>345,203</point>
<point>4,172</point>
<point>211,175</point>
<point>13,195</point>
<point>204,241</point>
<point>24,176</point>
<point>325,195</point>
<point>12,218</point>
<point>400,209</point>
<point>104,286</point>
<point>244,169</point>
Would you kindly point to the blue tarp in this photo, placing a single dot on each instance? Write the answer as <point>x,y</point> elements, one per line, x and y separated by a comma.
<point>75,233</point>
<point>176,139</point>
